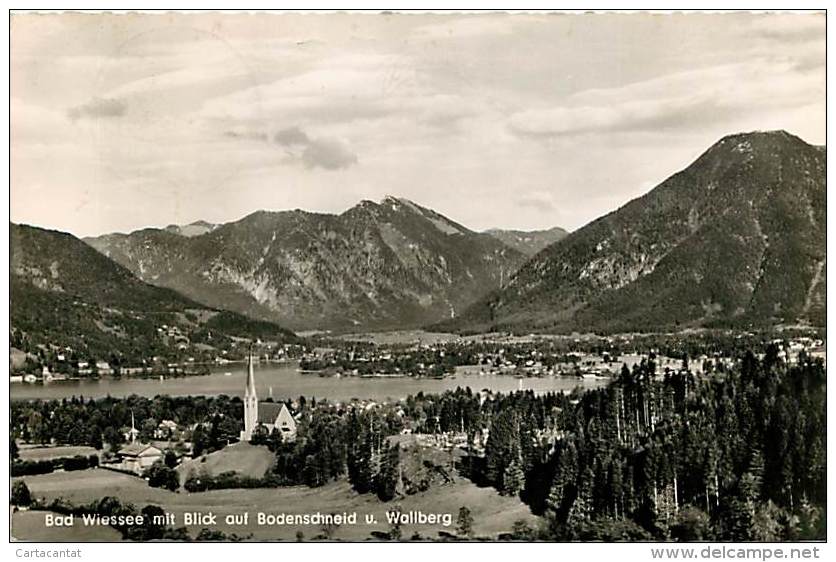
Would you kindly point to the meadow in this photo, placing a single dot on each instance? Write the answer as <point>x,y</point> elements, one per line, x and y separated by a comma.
<point>492,514</point>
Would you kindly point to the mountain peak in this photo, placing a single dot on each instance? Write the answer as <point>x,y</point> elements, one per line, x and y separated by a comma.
<point>757,139</point>
<point>386,264</point>
<point>396,202</point>
<point>708,247</point>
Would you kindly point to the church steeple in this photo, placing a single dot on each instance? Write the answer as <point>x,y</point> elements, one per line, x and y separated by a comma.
<point>250,388</point>
<point>250,401</point>
<point>133,432</point>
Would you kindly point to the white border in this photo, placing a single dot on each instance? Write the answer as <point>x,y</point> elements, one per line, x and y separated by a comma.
<point>415,552</point>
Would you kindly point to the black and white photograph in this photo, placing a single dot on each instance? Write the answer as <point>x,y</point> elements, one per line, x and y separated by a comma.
<point>418,277</point>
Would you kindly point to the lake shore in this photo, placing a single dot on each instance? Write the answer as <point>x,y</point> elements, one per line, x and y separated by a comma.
<point>286,381</point>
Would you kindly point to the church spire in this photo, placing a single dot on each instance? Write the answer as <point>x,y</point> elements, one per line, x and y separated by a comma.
<point>250,401</point>
<point>250,388</point>
<point>133,431</point>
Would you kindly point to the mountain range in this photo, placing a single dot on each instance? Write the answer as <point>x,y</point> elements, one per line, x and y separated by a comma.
<point>529,242</point>
<point>391,264</point>
<point>736,239</point>
<point>65,294</point>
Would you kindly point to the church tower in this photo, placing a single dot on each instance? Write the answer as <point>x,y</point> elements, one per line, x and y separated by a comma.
<point>250,402</point>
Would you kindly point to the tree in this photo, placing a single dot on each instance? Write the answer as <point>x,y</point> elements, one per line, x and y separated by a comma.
<point>20,494</point>
<point>691,524</point>
<point>147,429</point>
<point>564,481</point>
<point>502,448</point>
<point>766,524</point>
<point>200,441</point>
<point>153,522</point>
<point>738,516</point>
<point>170,459</point>
<point>112,436</point>
<point>161,476</point>
<point>522,531</point>
<point>513,479</point>
<point>389,477</point>
<point>359,455</point>
<point>464,522</point>
<point>606,529</point>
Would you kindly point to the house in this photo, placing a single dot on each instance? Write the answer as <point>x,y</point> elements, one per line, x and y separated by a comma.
<point>273,415</point>
<point>137,457</point>
<point>166,430</point>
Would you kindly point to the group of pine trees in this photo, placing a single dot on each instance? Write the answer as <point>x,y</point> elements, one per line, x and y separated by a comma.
<point>734,457</point>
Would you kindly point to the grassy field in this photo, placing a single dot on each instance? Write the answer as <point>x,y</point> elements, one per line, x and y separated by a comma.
<point>243,458</point>
<point>29,526</point>
<point>28,453</point>
<point>492,513</point>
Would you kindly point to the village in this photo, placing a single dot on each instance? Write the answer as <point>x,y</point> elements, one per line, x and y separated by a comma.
<point>521,357</point>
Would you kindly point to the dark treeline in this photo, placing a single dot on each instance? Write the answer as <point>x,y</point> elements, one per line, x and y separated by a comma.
<point>77,462</point>
<point>76,421</point>
<point>738,457</point>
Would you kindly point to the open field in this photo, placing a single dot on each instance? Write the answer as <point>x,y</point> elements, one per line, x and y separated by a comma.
<point>243,458</point>
<point>29,526</point>
<point>492,513</point>
<point>30,453</point>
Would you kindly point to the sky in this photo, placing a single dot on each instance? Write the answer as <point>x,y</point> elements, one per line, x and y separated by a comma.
<point>525,121</point>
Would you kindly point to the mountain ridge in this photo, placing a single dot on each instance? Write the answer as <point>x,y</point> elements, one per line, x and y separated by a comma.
<point>65,294</point>
<point>529,242</point>
<point>709,246</point>
<point>387,264</point>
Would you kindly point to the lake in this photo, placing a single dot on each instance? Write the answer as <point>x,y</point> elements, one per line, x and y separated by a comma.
<point>285,381</point>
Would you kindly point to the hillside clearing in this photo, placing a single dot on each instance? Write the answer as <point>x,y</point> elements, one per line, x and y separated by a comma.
<point>242,458</point>
<point>492,513</point>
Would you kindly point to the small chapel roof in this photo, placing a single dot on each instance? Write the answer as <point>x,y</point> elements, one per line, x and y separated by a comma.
<point>269,411</point>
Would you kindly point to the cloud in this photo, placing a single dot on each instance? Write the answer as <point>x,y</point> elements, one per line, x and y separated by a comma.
<point>689,99</point>
<point>291,136</point>
<point>247,135</point>
<point>96,108</point>
<point>313,152</point>
<point>331,154</point>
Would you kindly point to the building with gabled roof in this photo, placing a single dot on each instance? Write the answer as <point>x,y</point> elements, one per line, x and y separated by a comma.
<point>276,415</point>
<point>136,457</point>
<point>269,415</point>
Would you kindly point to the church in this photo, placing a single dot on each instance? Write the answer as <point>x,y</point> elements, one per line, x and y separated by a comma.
<point>269,415</point>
